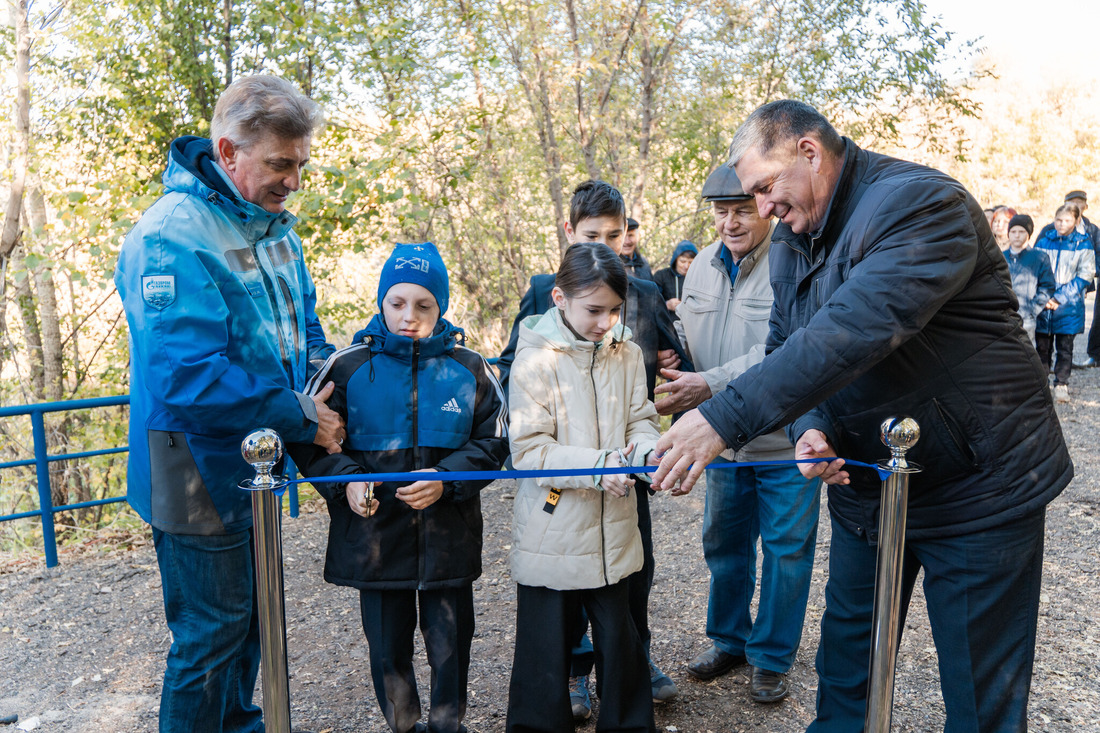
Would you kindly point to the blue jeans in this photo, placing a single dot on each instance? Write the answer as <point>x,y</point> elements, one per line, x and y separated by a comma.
<point>982,591</point>
<point>780,507</point>
<point>210,605</point>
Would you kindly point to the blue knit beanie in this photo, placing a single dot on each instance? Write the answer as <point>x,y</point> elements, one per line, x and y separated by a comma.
<point>419,264</point>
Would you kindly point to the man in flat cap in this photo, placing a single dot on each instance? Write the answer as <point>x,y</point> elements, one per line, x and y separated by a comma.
<point>727,299</point>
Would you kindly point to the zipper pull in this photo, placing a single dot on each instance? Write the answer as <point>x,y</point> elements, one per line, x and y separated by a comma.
<point>171,441</point>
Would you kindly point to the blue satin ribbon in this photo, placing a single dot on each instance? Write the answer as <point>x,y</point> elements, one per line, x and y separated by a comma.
<point>883,473</point>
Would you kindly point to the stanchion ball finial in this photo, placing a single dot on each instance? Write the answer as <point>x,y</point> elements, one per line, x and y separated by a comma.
<point>900,433</point>
<point>262,449</point>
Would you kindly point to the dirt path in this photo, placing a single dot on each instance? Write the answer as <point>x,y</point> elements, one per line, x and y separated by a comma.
<point>82,646</point>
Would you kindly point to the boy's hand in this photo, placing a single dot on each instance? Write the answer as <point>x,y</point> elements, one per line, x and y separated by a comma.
<point>330,426</point>
<point>617,483</point>
<point>357,492</point>
<point>422,494</point>
<point>667,359</point>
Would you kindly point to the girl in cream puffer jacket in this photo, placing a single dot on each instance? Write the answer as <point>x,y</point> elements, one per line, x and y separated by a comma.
<point>577,403</point>
<point>577,399</point>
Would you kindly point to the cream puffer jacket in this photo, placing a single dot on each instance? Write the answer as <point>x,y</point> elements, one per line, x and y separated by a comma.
<point>572,403</point>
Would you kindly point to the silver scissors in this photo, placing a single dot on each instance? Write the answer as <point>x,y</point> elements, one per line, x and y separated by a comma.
<point>626,458</point>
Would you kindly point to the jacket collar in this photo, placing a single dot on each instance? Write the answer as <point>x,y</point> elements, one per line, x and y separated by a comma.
<point>192,170</point>
<point>551,330</point>
<point>381,340</point>
<point>850,173</point>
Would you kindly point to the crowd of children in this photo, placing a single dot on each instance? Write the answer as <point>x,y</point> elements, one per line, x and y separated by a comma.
<point>1050,279</point>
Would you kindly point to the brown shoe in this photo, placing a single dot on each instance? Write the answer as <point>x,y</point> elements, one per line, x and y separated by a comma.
<point>768,686</point>
<point>713,662</point>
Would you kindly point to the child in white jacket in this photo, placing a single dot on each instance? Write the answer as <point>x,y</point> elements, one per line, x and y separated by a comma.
<point>578,399</point>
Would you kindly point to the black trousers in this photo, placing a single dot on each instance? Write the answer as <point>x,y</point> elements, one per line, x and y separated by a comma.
<point>982,592</point>
<point>639,586</point>
<point>1061,344</point>
<point>447,624</point>
<point>538,696</point>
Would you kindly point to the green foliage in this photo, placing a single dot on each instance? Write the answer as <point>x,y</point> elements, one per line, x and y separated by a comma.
<point>467,122</point>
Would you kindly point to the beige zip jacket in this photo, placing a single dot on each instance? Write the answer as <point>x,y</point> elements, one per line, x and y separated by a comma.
<point>572,403</point>
<point>724,326</point>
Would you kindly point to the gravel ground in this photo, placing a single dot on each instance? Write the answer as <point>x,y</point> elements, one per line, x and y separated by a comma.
<point>82,646</point>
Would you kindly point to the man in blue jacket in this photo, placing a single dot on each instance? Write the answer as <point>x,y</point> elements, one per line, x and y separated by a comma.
<point>892,298</point>
<point>223,337</point>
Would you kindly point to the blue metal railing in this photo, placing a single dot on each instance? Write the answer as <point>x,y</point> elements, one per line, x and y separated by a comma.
<point>42,460</point>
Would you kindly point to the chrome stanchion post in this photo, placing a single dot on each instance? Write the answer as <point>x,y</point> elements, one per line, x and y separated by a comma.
<point>263,449</point>
<point>899,434</point>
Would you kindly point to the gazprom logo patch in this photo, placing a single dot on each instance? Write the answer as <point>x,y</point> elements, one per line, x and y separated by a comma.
<point>159,291</point>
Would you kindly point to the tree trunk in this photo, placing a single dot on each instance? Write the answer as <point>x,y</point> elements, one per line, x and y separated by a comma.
<point>511,251</point>
<point>227,40</point>
<point>46,297</point>
<point>584,131</point>
<point>9,236</point>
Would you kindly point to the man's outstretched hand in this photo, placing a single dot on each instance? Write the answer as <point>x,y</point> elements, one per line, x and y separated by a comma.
<point>814,444</point>
<point>685,451</point>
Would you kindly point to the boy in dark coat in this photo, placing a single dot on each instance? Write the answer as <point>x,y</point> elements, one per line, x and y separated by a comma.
<point>413,399</point>
<point>671,279</point>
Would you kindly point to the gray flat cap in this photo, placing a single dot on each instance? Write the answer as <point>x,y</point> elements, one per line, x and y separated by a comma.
<point>723,185</point>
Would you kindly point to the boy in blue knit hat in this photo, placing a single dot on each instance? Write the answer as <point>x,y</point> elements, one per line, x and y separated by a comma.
<point>413,399</point>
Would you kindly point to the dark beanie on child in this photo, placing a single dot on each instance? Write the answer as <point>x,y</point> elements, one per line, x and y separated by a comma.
<point>1022,220</point>
<point>419,264</point>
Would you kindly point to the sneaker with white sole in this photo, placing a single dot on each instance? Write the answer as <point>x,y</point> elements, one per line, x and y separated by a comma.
<point>579,698</point>
<point>1061,393</point>
<point>661,684</point>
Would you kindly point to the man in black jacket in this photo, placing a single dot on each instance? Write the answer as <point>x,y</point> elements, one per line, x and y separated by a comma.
<point>891,298</point>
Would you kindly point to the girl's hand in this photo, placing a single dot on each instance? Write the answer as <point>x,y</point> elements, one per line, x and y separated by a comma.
<point>617,483</point>
<point>1052,304</point>
<point>357,498</point>
<point>422,494</point>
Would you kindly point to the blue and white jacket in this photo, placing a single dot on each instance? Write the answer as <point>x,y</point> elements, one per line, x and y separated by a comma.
<point>1073,261</point>
<point>222,333</point>
<point>1032,281</point>
<point>408,404</point>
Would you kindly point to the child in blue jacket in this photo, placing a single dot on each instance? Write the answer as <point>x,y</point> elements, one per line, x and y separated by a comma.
<point>1071,257</point>
<point>413,399</point>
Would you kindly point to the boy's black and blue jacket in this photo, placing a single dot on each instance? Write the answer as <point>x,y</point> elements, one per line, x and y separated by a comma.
<point>429,403</point>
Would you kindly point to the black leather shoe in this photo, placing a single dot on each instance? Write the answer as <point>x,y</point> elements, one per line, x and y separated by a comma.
<point>713,662</point>
<point>768,686</point>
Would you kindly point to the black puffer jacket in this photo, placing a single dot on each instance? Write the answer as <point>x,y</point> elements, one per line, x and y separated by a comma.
<point>408,405</point>
<point>902,305</point>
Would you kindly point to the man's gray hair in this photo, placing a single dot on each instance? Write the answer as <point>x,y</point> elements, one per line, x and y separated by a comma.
<point>255,105</point>
<point>778,122</point>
